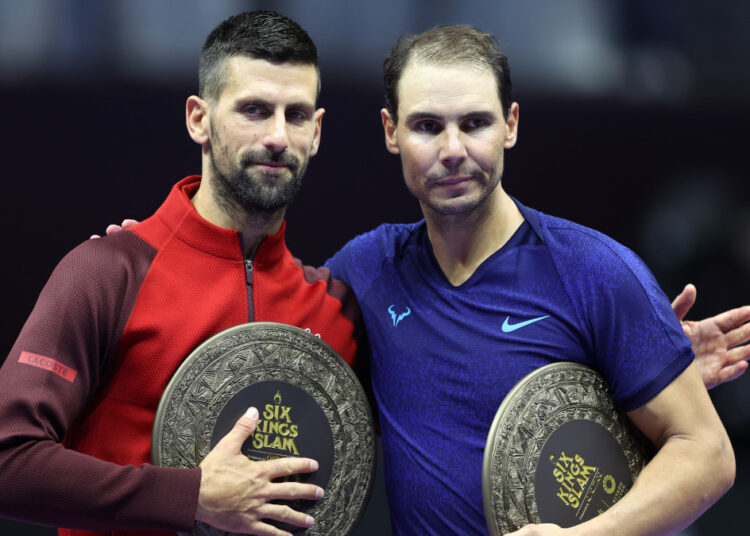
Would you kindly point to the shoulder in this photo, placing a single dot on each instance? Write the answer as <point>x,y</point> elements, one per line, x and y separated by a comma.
<point>103,264</point>
<point>593,266</point>
<point>386,240</point>
<point>110,252</point>
<point>86,300</point>
<point>588,253</point>
<point>637,341</point>
<point>361,258</point>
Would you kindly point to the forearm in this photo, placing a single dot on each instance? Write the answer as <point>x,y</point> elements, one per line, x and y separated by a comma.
<point>693,467</point>
<point>43,482</point>
<point>682,481</point>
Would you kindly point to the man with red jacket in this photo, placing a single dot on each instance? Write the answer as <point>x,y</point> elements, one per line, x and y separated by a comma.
<point>80,388</point>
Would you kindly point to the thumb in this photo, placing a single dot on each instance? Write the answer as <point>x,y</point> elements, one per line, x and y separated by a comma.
<point>682,303</point>
<point>242,429</point>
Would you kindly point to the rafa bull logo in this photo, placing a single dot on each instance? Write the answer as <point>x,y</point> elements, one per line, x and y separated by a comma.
<point>398,317</point>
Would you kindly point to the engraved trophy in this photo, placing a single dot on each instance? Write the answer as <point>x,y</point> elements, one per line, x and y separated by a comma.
<point>558,451</point>
<point>310,403</point>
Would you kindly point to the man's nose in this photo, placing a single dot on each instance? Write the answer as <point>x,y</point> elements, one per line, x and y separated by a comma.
<point>276,136</point>
<point>452,148</point>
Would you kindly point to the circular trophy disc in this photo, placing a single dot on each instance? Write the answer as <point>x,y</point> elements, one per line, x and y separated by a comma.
<point>558,451</point>
<point>310,403</point>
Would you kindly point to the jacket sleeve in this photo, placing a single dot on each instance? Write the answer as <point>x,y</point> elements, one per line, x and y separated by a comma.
<point>46,384</point>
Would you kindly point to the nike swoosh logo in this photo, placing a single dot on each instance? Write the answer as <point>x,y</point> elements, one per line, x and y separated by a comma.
<point>508,327</point>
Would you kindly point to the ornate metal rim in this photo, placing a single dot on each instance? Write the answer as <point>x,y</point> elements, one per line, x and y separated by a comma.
<point>509,501</point>
<point>327,378</point>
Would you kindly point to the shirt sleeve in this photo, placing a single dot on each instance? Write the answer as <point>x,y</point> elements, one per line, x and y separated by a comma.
<point>359,262</point>
<point>340,264</point>
<point>634,337</point>
<point>46,383</point>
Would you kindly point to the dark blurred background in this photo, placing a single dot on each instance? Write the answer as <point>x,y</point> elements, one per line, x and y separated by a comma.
<point>634,113</point>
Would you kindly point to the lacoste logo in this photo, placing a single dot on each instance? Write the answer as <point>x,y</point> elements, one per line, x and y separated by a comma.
<point>398,317</point>
<point>508,327</point>
<point>47,363</point>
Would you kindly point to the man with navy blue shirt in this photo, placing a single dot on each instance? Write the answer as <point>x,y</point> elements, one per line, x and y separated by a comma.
<point>460,306</point>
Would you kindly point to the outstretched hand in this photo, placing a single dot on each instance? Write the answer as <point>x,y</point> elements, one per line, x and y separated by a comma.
<point>718,342</point>
<point>236,493</point>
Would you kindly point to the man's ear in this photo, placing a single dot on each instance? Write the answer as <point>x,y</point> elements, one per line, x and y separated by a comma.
<point>318,119</point>
<point>389,127</point>
<point>197,119</point>
<point>511,126</point>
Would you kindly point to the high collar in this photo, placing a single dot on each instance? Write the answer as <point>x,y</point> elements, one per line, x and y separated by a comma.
<point>181,218</point>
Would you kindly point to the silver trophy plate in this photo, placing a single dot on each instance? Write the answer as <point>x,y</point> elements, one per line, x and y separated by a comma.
<point>310,403</point>
<point>558,451</point>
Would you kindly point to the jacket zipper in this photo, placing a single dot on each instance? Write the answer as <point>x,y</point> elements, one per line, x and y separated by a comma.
<point>249,279</point>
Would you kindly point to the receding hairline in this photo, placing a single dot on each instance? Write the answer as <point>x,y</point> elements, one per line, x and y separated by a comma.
<point>414,58</point>
<point>449,44</point>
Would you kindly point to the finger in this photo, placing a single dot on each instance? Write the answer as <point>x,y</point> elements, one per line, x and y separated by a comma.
<point>682,303</point>
<point>294,490</point>
<point>738,336</point>
<point>112,229</point>
<point>128,223</point>
<point>94,236</point>
<point>264,529</point>
<point>290,466</point>
<point>285,514</point>
<point>242,429</point>
<point>734,318</point>
<point>738,354</point>
<point>732,372</point>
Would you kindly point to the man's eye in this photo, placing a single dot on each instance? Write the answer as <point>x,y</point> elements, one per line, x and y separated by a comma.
<point>474,123</point>
<point>296,116</point>
<point>430,127</point>
<point>254,110</point>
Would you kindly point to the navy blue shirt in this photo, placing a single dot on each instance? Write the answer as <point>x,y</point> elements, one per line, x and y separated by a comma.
<point>444,357</point>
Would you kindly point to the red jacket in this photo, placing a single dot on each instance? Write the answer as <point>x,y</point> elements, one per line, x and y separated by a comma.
<point>113,323</point>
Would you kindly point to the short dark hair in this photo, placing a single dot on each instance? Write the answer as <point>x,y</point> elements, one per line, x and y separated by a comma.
<point>450,45</point>
<point>260,34</point>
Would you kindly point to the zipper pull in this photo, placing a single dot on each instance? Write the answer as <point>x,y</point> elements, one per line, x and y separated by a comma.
<point>249,271</point>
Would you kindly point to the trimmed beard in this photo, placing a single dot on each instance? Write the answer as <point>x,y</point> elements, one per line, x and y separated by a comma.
<point>255,192</point>
<point>241,188</point>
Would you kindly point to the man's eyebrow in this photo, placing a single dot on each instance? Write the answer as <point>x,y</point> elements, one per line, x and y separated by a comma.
<point>418,116</point>
<point>302,105</point>
<point>255,101</point>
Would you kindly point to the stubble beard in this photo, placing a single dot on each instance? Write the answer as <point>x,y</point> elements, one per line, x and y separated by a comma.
<point>461,207</point>
<point>241,189</point>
